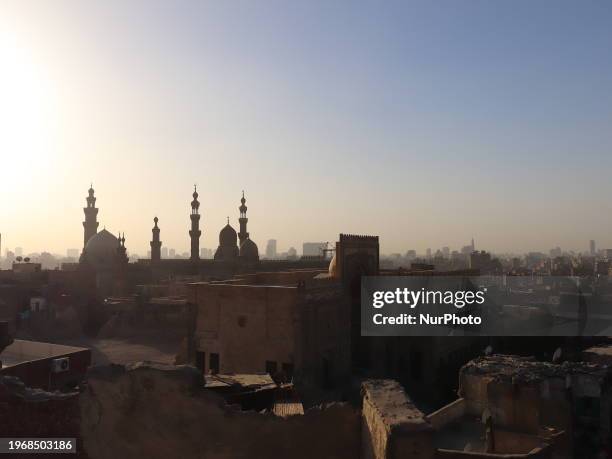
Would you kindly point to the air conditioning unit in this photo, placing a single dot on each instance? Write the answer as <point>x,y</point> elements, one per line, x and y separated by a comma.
<point>60,365</point>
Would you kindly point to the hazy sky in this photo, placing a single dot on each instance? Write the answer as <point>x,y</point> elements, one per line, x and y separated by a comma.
<point>426,123</point>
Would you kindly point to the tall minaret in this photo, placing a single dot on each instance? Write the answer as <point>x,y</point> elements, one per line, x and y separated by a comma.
<point>243,235</point>
<point>195,226</point>
<point>90,224</point>
<point>155,243</point>
<point>122,257</point>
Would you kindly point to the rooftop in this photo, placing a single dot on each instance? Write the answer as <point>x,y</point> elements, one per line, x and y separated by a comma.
<point>26,351</point>
<point>255,381</point>
<point>526,369</point>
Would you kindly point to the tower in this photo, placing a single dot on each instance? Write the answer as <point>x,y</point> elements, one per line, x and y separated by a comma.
<point>195,226</point>
<point>243,234</point>
<point>90,225</point>
<point>155,243</point>
<point>122,257</point>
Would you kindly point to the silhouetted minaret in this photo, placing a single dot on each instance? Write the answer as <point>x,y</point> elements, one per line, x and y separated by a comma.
<point>195,226</point>
<point>90,224</point>
<point>155,243</point>
<point>121,250</point>
<point>243,235</point>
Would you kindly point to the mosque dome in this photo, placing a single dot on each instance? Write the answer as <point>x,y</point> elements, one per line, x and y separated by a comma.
<point>249,250</point>
<point>333,267</point>
<point>228,236</point>
<point>101,249</point>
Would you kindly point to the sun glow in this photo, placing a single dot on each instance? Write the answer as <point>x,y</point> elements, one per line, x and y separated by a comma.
<point>27,114</point>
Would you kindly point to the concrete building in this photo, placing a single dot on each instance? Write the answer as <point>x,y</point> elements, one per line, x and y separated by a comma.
<point>292,323</point>
<point>530,405</point>
<point>45,365</point>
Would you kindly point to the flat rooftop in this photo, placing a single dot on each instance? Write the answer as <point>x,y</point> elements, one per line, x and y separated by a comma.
<point>26,351</point>
<point>527,369</point>
<point>255,381</point>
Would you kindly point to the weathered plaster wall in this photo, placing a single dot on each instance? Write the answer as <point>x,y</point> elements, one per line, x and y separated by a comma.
<point>392,427</point>
<point>159,413</point>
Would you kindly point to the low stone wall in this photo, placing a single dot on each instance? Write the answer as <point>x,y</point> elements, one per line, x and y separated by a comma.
<point>448,413</point>
<point>392,427</point>
<point>34,413</point>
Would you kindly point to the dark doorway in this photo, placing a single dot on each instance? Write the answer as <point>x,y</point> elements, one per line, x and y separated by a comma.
<point>200,361</point>
<point>213,365</point>
<point>271,367</point>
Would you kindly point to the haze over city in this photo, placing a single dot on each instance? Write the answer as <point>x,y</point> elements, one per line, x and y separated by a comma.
<point>426,124</point>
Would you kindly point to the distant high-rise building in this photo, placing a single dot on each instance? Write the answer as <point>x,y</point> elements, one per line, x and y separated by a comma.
<point>271,249</point>
<point>313,249</point>
<point>205,253</point>
<point>72,253</point>
<point>292,253</point>
<point>172,253</point>
<point>446,252</point>
<point>164,252</point>
<point>428,253</point>
<point>411,254</point>
<point>592,246</point>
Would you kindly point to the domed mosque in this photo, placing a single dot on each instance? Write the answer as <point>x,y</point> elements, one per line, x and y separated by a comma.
<point>102,251</point>
<point>228,244</point>
<point>229,249</point>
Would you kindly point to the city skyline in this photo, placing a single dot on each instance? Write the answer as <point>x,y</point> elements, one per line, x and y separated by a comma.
<point>424,124</point>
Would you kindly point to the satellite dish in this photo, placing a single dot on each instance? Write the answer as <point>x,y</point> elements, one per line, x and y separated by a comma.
<point>26,259</point>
